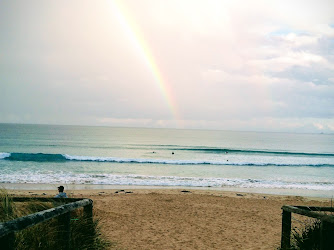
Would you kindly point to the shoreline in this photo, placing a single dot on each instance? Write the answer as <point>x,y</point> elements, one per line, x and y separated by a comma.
<point>76,187</point>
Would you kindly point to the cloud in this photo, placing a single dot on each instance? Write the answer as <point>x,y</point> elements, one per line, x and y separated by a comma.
<point>289,59</point>
<point>228,64</point>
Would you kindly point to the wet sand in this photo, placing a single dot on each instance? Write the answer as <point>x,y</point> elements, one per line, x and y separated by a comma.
<point>187,219</point>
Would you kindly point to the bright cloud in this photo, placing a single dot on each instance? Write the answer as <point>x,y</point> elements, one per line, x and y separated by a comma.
<point>246,65</point>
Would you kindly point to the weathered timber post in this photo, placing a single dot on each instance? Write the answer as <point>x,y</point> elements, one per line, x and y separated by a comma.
<point>7,242</point>
<point>326,236</point>
<point>88,212</point>
<point>65,230</point>
<point>286,229</point>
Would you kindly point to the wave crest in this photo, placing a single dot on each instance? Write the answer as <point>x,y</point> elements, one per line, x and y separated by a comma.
<point>41,157</point>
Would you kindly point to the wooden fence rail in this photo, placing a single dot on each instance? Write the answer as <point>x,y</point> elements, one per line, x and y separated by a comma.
<point>45,199</point>
<point>327,223</point>
<point>7,229</point>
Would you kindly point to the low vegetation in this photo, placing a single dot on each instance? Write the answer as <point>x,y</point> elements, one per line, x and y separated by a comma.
<point>311,236</point>
<point>308,237</point>
<point>46,235</point>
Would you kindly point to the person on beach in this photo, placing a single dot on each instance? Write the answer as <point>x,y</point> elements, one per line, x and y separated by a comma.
<point>61,193</point>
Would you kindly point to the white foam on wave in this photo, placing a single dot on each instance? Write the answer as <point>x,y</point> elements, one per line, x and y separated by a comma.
<point>145,180</point>
<point>190,162</point>
<point>4,155</point>
<point>137,160</point>
<point>233,161</point>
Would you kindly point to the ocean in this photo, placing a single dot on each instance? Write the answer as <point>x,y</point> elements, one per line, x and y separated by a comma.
<point>279,163</point>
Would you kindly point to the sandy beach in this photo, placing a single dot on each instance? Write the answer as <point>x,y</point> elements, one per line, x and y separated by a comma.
<point>187,219</point>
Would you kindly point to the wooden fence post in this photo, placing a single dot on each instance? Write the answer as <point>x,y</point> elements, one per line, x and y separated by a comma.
<point>286,229</point>
<point>7,242</point>
<point>65,230</point>
<point>326,235</point>
<point>88,212</point>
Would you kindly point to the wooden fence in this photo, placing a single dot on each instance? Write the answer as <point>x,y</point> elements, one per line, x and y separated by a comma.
<point>327,223</point>
<point>63,212</point>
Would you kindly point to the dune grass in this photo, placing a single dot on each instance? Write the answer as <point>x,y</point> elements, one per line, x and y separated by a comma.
<point>45,235</point>
<point>312,234</point>
<point>308,237</point>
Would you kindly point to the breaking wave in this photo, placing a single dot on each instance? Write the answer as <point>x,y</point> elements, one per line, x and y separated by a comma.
<point>42,157</point>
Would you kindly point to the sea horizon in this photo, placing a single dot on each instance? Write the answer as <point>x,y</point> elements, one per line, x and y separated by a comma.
<point>176,128</point>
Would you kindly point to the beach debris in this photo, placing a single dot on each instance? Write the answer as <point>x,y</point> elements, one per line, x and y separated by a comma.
<point>44,193</point>
<point>123,191</point>
<point>240,195</point>
<point>172,153</point>
<point>185,191</point>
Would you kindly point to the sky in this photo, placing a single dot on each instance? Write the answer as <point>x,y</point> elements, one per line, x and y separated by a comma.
<point>255,65</point>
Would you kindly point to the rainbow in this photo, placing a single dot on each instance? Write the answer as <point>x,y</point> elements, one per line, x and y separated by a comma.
<point>138,40</point>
